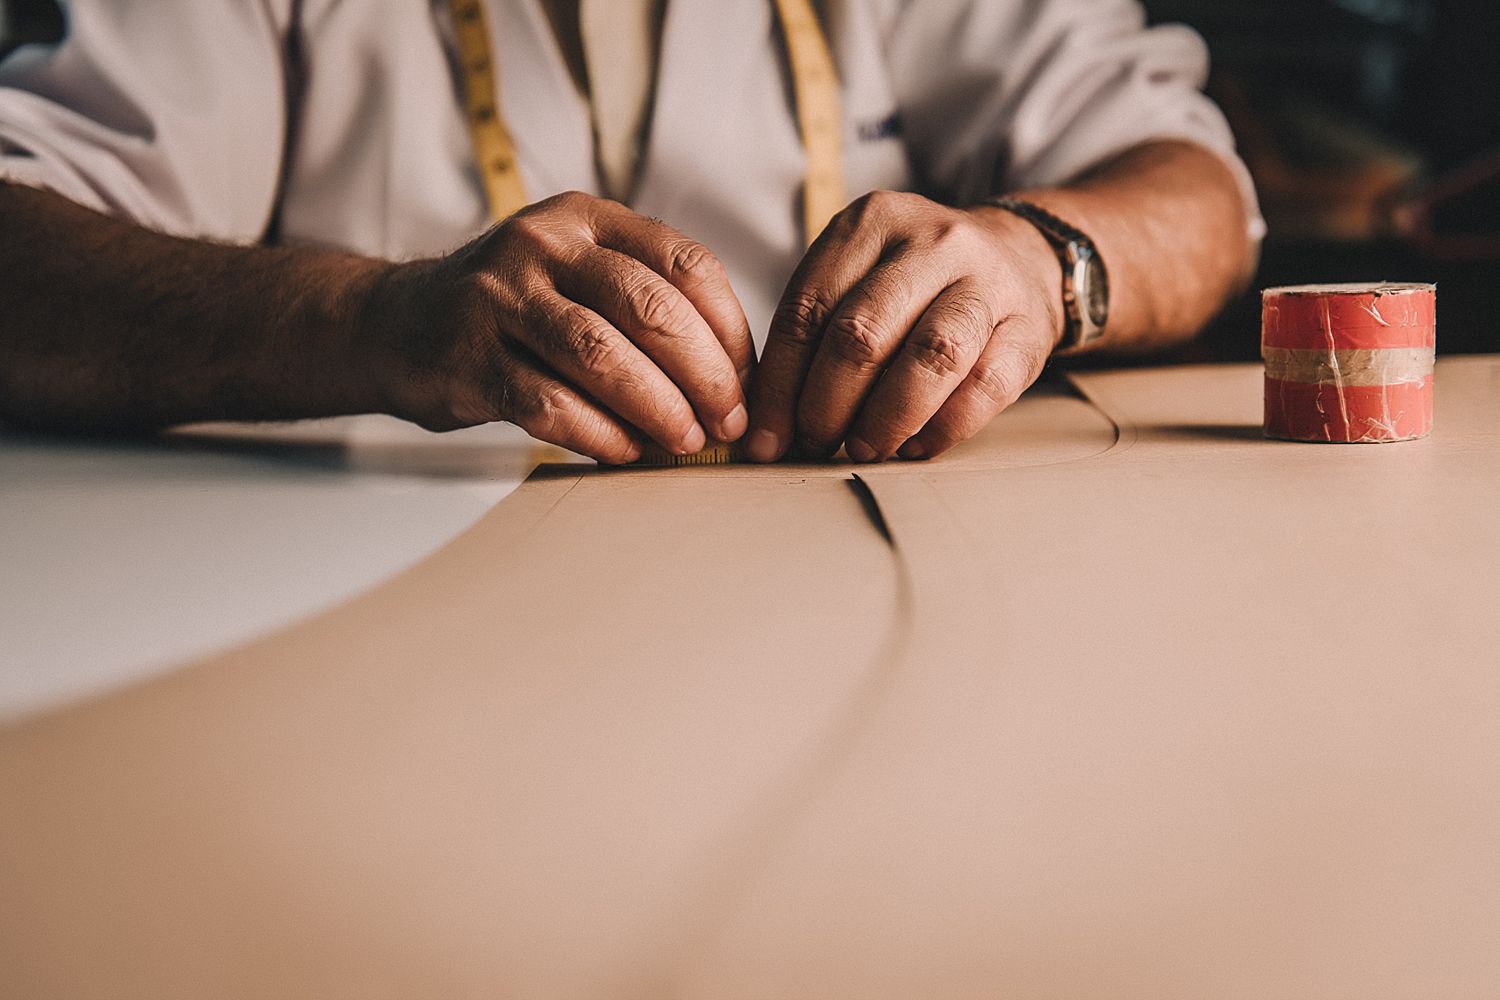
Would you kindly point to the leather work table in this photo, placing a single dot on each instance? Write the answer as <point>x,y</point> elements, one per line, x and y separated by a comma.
<point>1117,700</point>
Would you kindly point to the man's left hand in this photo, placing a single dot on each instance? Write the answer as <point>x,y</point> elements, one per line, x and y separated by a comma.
<point>905,329</point>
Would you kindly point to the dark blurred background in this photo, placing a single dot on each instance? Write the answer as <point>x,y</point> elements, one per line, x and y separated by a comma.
<point>1372,128</point>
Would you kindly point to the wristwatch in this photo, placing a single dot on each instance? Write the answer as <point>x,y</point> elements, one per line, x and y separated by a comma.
<point>1085,286</point>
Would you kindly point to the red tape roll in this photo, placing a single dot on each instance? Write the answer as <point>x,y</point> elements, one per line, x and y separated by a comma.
<point>1349,363</point>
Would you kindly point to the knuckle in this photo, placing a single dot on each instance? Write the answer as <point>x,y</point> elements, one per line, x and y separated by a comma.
<point>552,405</point>
<point>520,406</point>
<point>473,291</point>
<point>546,412</point>
<point>527,226</point>
<point>693,261</point>
<point>1003,381</point>
<point>863,209</point>
<point>655,307</point>
<point>509,404</point>
<point>949,233</point>
<point>882,203</point>
<point>878,209</point>
<point>554,220</point>
<point>438,405</point>
<point>940,350</point>
<point>533,244</point>
<point>994,383</point>
<point>592,346</point>
<point>857,339</point>
<point>489,287</point>
<point>570,201</point>
<point>800,317</point>
<point>1031,354</point>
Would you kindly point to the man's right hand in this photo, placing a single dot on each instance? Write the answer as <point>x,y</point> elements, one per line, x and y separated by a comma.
<point>584,323</point>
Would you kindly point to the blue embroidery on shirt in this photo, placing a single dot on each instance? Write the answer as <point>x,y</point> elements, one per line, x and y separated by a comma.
<point>886,128</point>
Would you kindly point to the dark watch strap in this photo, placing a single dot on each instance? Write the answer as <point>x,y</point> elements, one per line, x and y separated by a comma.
<point>1060,232</point>
<point>1068,242</point>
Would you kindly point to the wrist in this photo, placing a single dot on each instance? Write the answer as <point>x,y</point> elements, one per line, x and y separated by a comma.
<point>1085,285</point>
<point>296,313</point>
<point>1040,269</point>
<point>383,325</point>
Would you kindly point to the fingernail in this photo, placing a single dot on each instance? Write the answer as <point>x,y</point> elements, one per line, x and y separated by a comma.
<point>764,446</point>
<point>859,451</point>
<point>912,449</point>
<point>734,425</point>
<point>694,442</point>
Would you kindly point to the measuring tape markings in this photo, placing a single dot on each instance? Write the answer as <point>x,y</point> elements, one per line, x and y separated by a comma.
<point>494,149</point>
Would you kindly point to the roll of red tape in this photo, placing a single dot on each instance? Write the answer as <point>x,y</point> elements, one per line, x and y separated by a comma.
<point>1349,363</point>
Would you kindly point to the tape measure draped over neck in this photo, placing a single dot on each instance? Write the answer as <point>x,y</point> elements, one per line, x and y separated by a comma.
<point>815,90</point>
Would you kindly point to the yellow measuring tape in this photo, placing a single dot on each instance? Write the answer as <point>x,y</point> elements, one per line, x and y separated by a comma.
<point>815,86</point>
<point>815,90</point>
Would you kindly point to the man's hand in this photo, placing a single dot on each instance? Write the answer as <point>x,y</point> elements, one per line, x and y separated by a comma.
<point>585,323</point>
<point>905,329</point>
<point>907,326</point>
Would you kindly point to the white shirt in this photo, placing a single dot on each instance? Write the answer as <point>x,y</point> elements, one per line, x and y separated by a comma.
<point>181,115</point>
<point>618,41</point>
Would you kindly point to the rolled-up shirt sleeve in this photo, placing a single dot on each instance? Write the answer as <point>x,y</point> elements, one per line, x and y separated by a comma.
<point>170,113</point>
<point>1007,94</point>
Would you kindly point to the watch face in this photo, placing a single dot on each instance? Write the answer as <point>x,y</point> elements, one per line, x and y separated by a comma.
<point>1096,291</point>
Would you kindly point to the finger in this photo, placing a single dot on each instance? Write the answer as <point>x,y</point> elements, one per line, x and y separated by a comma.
<point>693,270</point>
<point>660,320</point>
<point>859,340</point>
<point>585,350</point>
<point>837,260</point>
<point>552,411</point>
<point>942,348</point>
<point>1013,359</point>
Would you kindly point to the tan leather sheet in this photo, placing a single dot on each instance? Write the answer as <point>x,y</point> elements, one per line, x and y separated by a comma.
<point>706,732</point>
<point>1204,716</point>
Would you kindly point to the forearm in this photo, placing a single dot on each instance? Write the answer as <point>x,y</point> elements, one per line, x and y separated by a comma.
<point>1169,221</point>
<point>108,326</point>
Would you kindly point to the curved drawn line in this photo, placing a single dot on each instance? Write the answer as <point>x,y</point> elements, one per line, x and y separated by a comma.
<point>1126,432</point>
